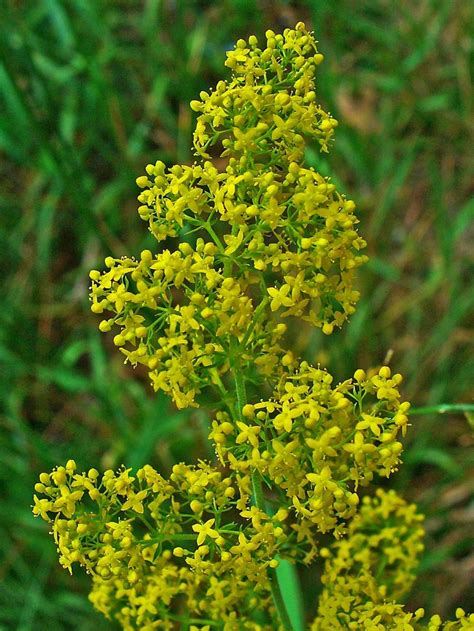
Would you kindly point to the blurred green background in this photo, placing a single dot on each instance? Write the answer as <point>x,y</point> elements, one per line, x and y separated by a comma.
<point>90,92</point>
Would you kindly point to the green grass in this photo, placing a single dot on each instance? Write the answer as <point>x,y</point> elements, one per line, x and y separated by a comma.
<point>89,93</point>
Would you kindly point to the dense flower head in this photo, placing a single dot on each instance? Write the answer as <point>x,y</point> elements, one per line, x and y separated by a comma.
<point>367,571</point>
<point>265,235</point>
<point>269,108</point>
<point>317,442</point>
<point>157,546</point>
<point>178,315</point>
<point>289,235</point>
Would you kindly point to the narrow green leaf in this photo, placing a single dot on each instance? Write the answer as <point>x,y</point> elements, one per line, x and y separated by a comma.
<point>444,408</point>
<point>383,268</point>
<point>61,23</point>
<point>291,592</point>
<point>18,113</point>
<point>437,457</point>
<point>46,215</point>
<point>65,378</point>
<point>399,177</point>
<point>463,219</point>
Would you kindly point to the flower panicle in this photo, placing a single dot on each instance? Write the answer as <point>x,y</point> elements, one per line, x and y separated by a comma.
<point>265,234</point>
<point>250,240</point>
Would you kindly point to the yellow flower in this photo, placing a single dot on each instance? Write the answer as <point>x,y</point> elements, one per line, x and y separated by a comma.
<point>205,530</point>
<point>247,434</point>
<point>135,501</point>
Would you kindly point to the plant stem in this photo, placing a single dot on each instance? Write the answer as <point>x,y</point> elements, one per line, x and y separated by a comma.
<point>214,237</point>
<point>272,575</point>
<point>258,497</point>
<point>255,319</point>
<point>443,408</point>
<point>239,380</point>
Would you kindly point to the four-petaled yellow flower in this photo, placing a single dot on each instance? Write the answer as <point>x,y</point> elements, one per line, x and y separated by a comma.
<point>205,530</point>
<point>247,434</point>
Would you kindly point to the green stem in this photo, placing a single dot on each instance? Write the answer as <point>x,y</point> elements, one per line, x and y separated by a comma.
<point>214,237</point>
<point>443,408</point>
<point>259,501</point>
<point>255,319</point>
<point>187,620</point>
<point>258,497</point>
<point>238,376</point>
<point>217,381</point>
<point>161,538</point>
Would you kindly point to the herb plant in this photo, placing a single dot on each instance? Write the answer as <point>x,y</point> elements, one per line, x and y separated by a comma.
<point>251,240</point>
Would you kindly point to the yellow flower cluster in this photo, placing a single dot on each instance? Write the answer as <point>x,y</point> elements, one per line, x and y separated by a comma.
<point>370,569</point>
<point>286,231</point>
<point>269,109</point>
<point>157,546</point>
<point>317,442</point>
<point>266,235</point>
<point>262,239</point>
<point>177,315</point>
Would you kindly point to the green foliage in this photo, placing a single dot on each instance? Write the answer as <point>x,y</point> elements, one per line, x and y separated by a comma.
<point>91,91</point>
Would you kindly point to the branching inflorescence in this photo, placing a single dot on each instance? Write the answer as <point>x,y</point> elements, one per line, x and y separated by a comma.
<point>251,239</point>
